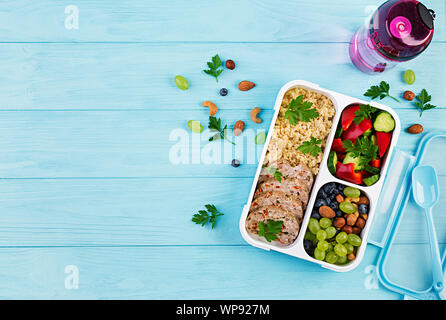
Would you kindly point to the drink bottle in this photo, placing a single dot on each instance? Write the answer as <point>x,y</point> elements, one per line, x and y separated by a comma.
<point>399,30</point>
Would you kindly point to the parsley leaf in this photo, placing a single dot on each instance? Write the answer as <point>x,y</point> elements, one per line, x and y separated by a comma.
<point>364,148</point>
<point>311,147</point>
<point>364,112</point>
<point>380,91</point>
<point>299,110</point>
<point>215,124</point>
<point>214,67</point>
<point>270,229</point>
<point>276,173</point>
<point>210,216</point>
<point>422,103</point>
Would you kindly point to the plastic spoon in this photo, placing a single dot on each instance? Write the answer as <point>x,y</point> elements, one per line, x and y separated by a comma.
<point>426,195</point>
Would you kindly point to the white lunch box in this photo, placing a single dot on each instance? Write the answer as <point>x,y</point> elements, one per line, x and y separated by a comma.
<point>296,249</point>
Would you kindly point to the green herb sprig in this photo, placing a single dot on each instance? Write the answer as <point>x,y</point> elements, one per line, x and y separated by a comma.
<point>270,229</point>
<point>422,103</point>
<point>380,91</point>
<point>311,147</point>
<point>364,148</point>
<point>275,172</point>
<point>215,67</point>
<point>210,215</point>
<point>364,112</point>
<point>299,110</point>
<point>215,124</point>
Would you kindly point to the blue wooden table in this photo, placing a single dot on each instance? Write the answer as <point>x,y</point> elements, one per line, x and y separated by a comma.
<point>91,205</point>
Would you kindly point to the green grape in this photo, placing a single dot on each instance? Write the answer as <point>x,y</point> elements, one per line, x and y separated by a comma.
<point>330,247</point>
<point>331,231</point>
<point>309,236</point>
<point>340,250</point>
<point>349,247</point>
<point>321,235</point>
<point>195,126</point>
<point>260,138</point>
<point>315,241</point>
<point>181,82</point>
<point>331,257</point>
<point>347,207</point>
<point>313,225</point>
<point>325,223</point>
<point>409,76</point>
<point>323,245</point>
<point>354,240</point>
<point>319,254</point>
<point>352,192</point>
<point>341,260</point>
<point>341,237</point>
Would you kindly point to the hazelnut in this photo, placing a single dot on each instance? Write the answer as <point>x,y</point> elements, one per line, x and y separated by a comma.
<point>339,198</point>
<point>360,223</point>
<point>339,222</point>
<point>408,95</point>
<point>351,219</point>
<point>347,229</point>
<point>327,212</point>
<point>363,200</point>
<point>230,64</point>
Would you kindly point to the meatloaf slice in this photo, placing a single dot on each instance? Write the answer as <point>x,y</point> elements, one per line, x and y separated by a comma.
<point>292,186</point>
<point>288,171</point>
<point>290,227</point>
<point>279,199</point>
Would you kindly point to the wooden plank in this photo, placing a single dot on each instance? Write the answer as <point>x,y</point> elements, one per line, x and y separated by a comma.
<point>106,212</point>
<point>140,76</point>
<point>156,20</point>
<point>76,144</point>
<point>179,273</point>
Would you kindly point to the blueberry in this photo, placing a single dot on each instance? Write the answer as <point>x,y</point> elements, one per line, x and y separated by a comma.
<point>223,91</point>
<point>322,194</point>
<point>328,201</point>
<point>334,205</point>
<point>339,213</point>
<point>315,214</point>
<point>320,202</point>
<point>308,245</point>
<point>362,208</point>
<point>235,163</point>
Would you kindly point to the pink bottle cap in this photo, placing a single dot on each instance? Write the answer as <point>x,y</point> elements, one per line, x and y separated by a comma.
<point>400,27</point>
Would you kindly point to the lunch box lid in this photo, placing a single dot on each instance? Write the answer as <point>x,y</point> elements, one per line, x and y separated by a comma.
<point>399,227</point>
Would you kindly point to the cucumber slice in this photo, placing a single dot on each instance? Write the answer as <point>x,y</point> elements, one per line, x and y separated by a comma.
<point>371,180</point>
<point>350,159</point>
<point>384,122</point>
<point>332,160</point>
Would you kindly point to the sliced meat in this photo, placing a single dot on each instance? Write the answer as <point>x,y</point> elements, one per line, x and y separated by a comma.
<point>292,186</point>
<point>281,200</point>
<point>290,227</point>
<point>288,171</point>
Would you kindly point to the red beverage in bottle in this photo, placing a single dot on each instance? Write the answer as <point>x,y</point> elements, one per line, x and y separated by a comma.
<point>398,31</point>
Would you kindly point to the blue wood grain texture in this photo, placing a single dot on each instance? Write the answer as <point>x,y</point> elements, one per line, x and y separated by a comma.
<point>85,120</point>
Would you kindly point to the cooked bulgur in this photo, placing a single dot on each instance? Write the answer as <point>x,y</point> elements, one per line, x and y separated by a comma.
<point>286,137</point>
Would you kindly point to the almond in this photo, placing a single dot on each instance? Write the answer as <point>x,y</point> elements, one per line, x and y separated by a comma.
<point>246,85</point>
<point>360,223</point>
<point>415,129</point>
<point>363,200</point>
<point>347,229</point>
<point>339,222</point>
<point>339,198</point>
<point>239,126</point>
<point>351,219</point>
<point>327,212</point>
<point>356,230</point>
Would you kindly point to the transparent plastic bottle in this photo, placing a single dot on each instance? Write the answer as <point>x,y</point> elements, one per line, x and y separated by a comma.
<point>398,31</point>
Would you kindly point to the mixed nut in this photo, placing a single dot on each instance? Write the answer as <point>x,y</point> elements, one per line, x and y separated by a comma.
<point>339,215</point>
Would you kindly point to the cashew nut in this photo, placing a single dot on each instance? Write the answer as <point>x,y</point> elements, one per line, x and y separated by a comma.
<point>254,113</point>
<point>212,107</point>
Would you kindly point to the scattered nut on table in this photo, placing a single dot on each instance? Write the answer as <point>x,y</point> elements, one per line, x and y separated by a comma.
<point>415,129</point>
<point>212,107</point>
<point>239,126</point>
<point>246,85</point>
<point>408,95</point>
<point>254,117</point>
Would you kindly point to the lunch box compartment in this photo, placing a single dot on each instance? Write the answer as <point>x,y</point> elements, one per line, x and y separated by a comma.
<point>391,145</point>
<point>340,102</point>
